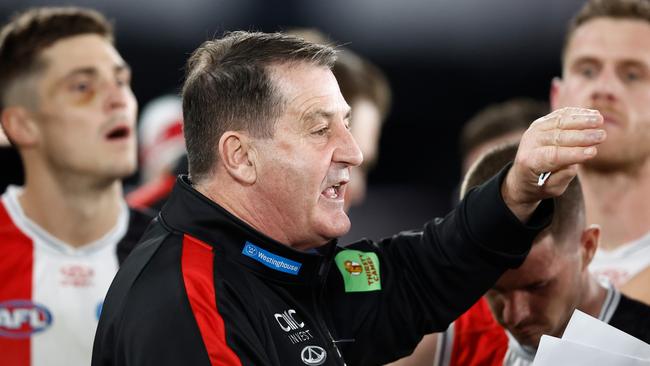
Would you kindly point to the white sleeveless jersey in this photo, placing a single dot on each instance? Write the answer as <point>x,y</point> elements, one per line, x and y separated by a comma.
<point>50,292</point>
<point>623,263</point>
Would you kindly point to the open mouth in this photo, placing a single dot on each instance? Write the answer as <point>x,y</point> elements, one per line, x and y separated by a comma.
<point>334,192</point>
<point>118,133</point>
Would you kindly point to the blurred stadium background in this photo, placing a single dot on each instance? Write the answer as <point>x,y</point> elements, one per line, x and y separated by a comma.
<point>445,60</point>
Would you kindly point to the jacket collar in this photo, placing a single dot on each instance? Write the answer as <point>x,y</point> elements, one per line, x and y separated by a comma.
<point>189,212</point>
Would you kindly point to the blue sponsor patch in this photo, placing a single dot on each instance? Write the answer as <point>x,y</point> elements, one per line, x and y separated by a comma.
<point>22,318</point>
<point>271,260</point>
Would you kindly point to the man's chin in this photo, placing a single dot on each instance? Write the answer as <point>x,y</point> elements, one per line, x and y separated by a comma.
<point>119,172</point>
<point>610,162</point>
<point>336,226</point>
<point>125,171</point>
<point>528,340</point>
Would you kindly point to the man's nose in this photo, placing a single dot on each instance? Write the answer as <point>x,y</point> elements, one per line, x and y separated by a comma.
<point>118,96</point>
<point>347,151</point>
<point>606,87</point>
<point>515,309</point>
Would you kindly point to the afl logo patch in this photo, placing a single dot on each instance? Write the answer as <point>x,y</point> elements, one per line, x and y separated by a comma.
<point>22,318</point>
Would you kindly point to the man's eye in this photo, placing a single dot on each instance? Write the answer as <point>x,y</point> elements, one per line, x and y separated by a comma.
<point>632,76</point>
<point>124,81</point>
<point>321,132</point>
<point>537,286</point>
<point>588,72</point>
<point>81,87</point>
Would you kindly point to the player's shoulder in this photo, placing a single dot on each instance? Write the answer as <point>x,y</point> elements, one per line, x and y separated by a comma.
<point>147,266</point>
<point>139,222</point>
<point>628,305</point>
<point>632,317</point>
<point>11,216</point>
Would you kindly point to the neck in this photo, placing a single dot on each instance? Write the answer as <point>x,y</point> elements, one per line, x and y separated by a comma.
<point>594,295</point>
<point>618,201</point>
<point>250,208</point>
<point>75,209</point>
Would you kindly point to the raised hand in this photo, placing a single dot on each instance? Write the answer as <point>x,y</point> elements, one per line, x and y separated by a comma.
<point>555,143</point>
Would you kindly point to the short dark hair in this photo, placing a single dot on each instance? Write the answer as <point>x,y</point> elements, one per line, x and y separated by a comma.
<point>617,9</point>
<point>28,33</point>
<point>500,119</point>
<point>569,212</point>
<point>228,87</point>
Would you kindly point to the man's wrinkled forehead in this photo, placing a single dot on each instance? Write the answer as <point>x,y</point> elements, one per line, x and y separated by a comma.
<point>616,38</point>
<point>309,90</point>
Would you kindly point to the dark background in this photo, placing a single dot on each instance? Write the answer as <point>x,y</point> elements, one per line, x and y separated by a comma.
<point>445,60</point>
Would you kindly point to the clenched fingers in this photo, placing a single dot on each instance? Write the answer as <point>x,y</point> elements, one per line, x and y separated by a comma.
<point>553,158</point>
<point>555,143</point>
<point>570,118</point>
<point>572,138</point>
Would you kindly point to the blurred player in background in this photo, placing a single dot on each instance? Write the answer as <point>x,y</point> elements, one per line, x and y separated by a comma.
<point>606,66</point>
<point>162,152</point>
<point>497,124</point>
<point>67,106</point>
<point>505,327</point>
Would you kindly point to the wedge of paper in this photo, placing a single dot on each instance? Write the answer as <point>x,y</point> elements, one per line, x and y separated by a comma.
<point>588,341</point>
<point>590,331</point>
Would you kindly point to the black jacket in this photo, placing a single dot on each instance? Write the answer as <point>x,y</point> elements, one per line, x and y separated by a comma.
<point>204,288</point>
<point>139,221</point>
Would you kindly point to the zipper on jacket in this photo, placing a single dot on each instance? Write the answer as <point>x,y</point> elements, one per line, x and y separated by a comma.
<point>325,328</point>
<point>316,295</point>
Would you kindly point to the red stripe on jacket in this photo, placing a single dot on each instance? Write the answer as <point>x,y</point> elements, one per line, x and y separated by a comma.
<point>16,264</point>
<point>197,264</point>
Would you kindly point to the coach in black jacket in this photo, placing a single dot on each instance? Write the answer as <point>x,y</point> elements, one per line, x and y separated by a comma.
<point>243,267</point>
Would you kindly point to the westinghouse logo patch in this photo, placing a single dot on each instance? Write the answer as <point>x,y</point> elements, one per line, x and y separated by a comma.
<point>271,260</point>
<point>360,270</point>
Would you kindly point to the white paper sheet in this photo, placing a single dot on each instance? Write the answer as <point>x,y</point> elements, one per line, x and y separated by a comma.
<point>554,352</point>
<point>590,331</point>
<point>588,341</point>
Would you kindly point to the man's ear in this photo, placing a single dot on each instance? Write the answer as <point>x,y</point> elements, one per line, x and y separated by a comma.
<point>589,243</point>
<point>554,93</point>
<point>19,126</point>
<point>238,156</point>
